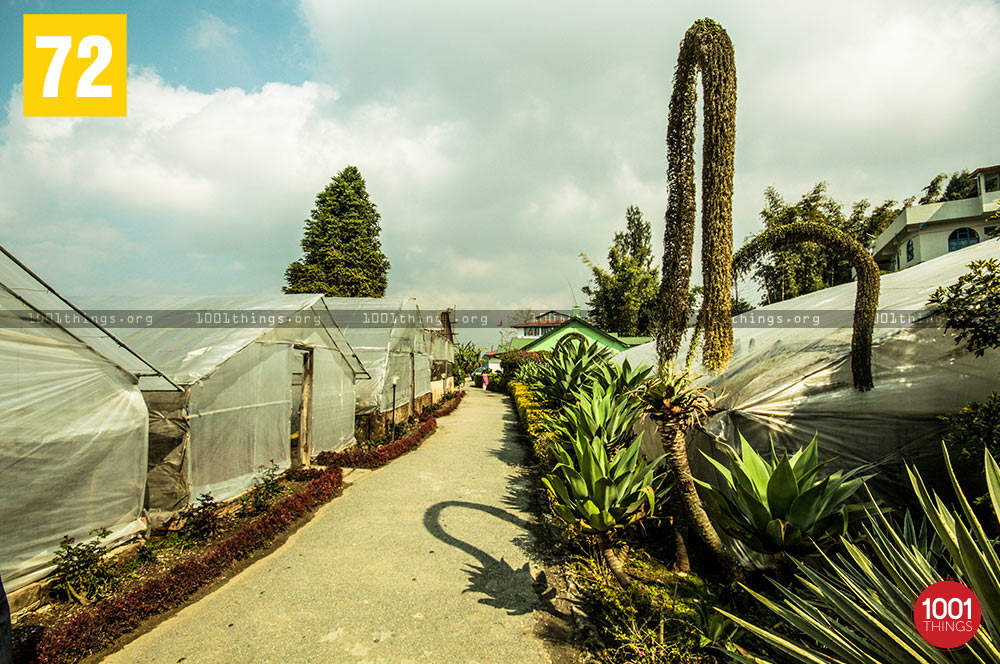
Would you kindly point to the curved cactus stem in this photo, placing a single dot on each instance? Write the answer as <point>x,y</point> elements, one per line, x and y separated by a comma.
<point>706,47</point>
<point>869,281</point>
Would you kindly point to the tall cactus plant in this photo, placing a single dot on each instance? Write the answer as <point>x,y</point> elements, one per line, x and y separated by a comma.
<point>869,281</point>
<point>706,48</point>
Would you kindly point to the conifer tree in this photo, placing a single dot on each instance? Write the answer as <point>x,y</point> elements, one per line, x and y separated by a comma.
<point>343,253</point>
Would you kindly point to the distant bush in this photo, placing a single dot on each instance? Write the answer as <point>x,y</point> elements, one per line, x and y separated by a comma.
<point>513,359</point>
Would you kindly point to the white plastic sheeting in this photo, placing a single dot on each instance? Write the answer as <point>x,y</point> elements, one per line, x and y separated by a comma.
<point>72,433</point>
<point>789,384</point>
<point>237,411</point>
<point>388,340</point>
<point>442,350</point>
<point>332,402</point>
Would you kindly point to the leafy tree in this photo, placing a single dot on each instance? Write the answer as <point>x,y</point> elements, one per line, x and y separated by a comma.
<point>802,268</point>
<point>468,356</point>
<point>960,185</point>
<point>622,299</point>
<point>343,254</point>
<point>971,306</point>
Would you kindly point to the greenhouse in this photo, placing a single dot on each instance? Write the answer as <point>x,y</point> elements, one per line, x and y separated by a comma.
<point>72,427</point>
<point>273,391</point>
<point>389,337</point>
<point>790,380</point>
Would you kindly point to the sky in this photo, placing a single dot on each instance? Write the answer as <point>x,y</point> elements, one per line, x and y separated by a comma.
<point>498,140</point>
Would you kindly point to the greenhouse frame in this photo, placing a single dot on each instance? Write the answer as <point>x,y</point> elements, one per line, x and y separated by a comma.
<point>272,392</point>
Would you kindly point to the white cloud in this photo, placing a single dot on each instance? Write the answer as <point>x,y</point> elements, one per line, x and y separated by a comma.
<point>211,33</point>
<point>228,176</point>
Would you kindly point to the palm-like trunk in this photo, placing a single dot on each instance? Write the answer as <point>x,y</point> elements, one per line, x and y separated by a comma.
<point>687,493</point>
<point>614,563</point>
<point>682,563</point>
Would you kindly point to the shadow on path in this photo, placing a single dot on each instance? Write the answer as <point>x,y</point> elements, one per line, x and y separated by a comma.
<point>513,590</point>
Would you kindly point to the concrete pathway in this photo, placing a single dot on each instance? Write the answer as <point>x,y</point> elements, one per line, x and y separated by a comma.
<point>426,559</point>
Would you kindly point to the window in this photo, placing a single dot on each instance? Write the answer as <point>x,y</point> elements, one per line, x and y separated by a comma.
<point>992,231</point>
<point>992,181</point>
<point>962,237</point>
<point>909,251</point>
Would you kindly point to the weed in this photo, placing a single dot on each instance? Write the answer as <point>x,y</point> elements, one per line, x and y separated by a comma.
<point>82,574</point>
<point>201,521</point>
<point>265,489</point>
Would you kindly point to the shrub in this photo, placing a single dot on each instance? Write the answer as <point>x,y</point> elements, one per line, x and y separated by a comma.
<point>971,306</point>
<point>534,417</point>
<point>82,573</point>
<point>378,457</point>
<point>512,360</point>
<point>446,409</point>
<point>265,489</point>
<point>302,473</point>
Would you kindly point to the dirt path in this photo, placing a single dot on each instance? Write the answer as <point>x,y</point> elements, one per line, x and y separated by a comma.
<point>431,558</point>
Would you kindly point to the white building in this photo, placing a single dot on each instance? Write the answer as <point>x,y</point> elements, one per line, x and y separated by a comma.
<point>923,232</point>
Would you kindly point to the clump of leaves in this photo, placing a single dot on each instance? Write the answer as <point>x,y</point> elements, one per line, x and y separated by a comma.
<point>714,630</point>
<point>571,369</point>
<point>201,521</point>
<point>265,489</point>
<point>971,306</point>
<point>82,573</point>
<point>784,505</point>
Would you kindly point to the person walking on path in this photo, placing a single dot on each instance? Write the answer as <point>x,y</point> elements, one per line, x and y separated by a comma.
<point>486,380</point>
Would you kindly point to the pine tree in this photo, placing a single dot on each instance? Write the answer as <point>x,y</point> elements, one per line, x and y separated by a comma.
<point>622,298</point>
<point>343,253</point>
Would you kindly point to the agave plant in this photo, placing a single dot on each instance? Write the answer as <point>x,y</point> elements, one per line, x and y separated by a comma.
<point>782,505</point>
<point>599,495</point>
<point>527,372</point>
<point>607,410</point>
<point>858,608</point>
<point>601,415</point>
<point>623,378</point>
<point>570,369</point>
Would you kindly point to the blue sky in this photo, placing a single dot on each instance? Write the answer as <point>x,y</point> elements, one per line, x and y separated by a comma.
<point>499,141</point>
<point>254,42</point>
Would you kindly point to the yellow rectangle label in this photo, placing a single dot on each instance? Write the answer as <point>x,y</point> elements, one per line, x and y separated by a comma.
<point>75,65</point>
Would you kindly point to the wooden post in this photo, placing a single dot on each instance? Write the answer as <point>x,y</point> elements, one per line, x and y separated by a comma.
<point>305,415</point>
